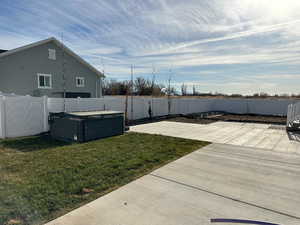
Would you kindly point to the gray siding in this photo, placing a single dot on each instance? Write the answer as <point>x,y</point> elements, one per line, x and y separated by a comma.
<point>18,73</point>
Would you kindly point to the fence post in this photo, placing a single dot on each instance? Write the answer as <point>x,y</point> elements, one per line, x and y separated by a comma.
<point>46,113</point>
<point>3,116</point>
<point>78,105</point>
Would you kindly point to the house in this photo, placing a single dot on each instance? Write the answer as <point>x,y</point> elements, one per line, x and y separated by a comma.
<point>49,68</point>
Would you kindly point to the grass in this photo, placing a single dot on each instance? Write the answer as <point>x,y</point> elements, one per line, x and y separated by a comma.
<point>41,179</point>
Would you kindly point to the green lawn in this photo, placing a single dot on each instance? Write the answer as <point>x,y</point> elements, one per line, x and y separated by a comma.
<point>41,179</point>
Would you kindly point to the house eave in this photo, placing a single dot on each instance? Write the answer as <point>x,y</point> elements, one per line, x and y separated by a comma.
<point>59,44</point>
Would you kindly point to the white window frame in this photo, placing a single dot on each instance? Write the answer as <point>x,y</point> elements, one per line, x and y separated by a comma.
<point>82,79</point>
<point>44,75</point>
<point>52,54</point>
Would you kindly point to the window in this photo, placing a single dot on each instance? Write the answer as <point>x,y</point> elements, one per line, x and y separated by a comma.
<point>44,81</point>
<point>52,54</point>
<point>79,81</point>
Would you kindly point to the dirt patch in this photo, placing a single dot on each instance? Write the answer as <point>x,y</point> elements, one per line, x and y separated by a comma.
<point>254,118</point>
<point>211,117</point>
<point>150,120</point>
<point>199,119</point>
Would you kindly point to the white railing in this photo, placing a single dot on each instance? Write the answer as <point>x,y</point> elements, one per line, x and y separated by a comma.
<point>26,115</point>
<point>293,116</point>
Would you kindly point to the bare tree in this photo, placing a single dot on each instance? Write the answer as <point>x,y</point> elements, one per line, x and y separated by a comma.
<point>113,87</point>
<point>140,86</point>
<point>143,86</point>
<point>147,87</point>
<point>195,92</point>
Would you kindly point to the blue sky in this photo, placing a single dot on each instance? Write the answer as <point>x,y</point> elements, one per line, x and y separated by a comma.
<point>230,46</point>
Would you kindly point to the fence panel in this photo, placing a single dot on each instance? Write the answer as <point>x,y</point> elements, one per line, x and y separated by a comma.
<point>269,106</point>
<point>75,104</point>
<point>237,106</point>
<point>140,108</point>
<point>252,106</point>
<point>174,109</point>
<point>55,105</point>
<point>183,107</point>
<point>86,104</point>
<point>200,105</point>
<point>159,107</point>
<point>115,103</point>
<point>24,116</point>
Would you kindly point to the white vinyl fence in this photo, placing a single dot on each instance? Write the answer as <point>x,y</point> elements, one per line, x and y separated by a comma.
<point>293,114</point>
<point>22,116</point>
<point>26,115</point>
<point>252,106</point>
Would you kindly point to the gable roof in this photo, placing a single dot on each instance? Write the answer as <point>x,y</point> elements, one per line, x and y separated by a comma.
<point>59,44</point>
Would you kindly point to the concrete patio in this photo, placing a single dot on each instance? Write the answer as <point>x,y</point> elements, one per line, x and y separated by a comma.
<point>233,178</point>
<point>218,181</point>
<point>263,136</point>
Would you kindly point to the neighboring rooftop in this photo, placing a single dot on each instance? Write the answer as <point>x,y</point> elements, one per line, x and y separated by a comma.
<point>2,50</point>
<point>59,44</point>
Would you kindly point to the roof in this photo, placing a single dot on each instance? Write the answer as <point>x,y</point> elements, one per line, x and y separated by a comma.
<point>2,50</point>
<point>59,44</point>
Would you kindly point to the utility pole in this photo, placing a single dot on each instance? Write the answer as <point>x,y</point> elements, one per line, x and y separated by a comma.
<point>131,87</point>
<point>169,92</point>
<point>101,79</point>
<point>153,83</point>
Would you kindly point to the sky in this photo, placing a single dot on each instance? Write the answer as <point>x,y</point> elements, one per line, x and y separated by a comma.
<point>228,46</point>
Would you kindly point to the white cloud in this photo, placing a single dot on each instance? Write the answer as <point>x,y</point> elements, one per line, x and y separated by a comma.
<point>183,35</point>
<point>102,51</point>
<point>276,76</point>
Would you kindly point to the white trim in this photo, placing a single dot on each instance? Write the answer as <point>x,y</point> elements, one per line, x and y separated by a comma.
<point>82,79</point>
<point>59,44</point>
<point>44,75</point>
